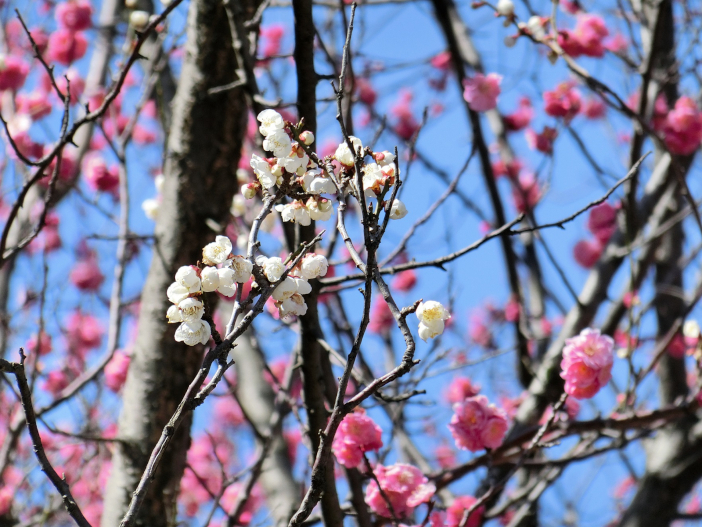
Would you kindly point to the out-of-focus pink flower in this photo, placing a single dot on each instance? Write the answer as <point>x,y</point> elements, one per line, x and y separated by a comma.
<point>356,435</point>
<point>543,142</point>
<point>252,504</point>
<point>512,310</point>
<point>442,61</point>
<point>586,38</point>
<point>587,363</point>
<point>676,348</point>
<point>13,72</point>
<point>116,371</point>
<point>143,135</point>
<point>683,127</point>
<point>227,410</point>
<point>55,382</point>
<point>86,275</point>
<point>521,117</point>
<point>526,194</point>
<point>272,36</point>
<point>617,43</point>
<point>65,46</point>
<point>481,91</point>
<point>445,456</point>
<point>587,252</point>
<point>41,345</point>
<point>77,84</point>
<point>34,104</point>
<point>602,221</point>
<point>404,486</point>
<point>74,15</point>
<point>594,108</point>
<point>570,6</point>
<point>366,94</point>
<point>510,169</point>
<point>83,332</point>
<point>405,280</point>
<point>460,389</point>
<point>98,176</point>
<point>406,125</point>
<point>563,101</point>
<point>381,319</point>
<point>477,424</point>
<point>7,496</point>
<point>479,332</point>
<point>454,514</point>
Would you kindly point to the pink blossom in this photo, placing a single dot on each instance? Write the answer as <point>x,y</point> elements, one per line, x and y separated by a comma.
<point>594,108</point>
<point>405,281</point>
<point>13,73</point>
<point>381,319</point>
<point>479,332</point>
<point>77,84</point>
<point>116,371</point>
<point>442,61</point>
<point>587,252</point>
<point>55,382</point>
<point>683,127</point>
<point>253,502</point>
<point>7,496</point>
<point>526,194</point>
<point>481,91</point>
<point>445,456</point>
<point>512,310</point>
<point>476,424</point>
<point>404,486</point>
<point>41,345</point>
<point>356,435</point>
<point>74,15</point>
<point>34,104</point>
<point>676,348</point>
<point>66,46</point>
<point>510,169</point>
<point>228,411</point>
<point>602,221</point>
<point>98,177</point>
<point>586,38</point>
<point>83,332</point>
<point>521,117</point>
<point>587,363</point>
<point>86,275</point>
<point>272,36</point>
<point>542,142</point>
<point>460,389</point>
<point>143,135</point>
<point>617,43</point>
<point>406,125</point>
<point>454,514</point>
<point>563,101</point>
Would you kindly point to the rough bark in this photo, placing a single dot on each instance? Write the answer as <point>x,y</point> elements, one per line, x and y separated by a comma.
<point>201,158</point>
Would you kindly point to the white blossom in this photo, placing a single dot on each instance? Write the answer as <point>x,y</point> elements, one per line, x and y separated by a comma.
<point>242,269</point>
<point>226,281</point>
<point>150,207</point>
<point>218,251</point>
<point>373,178</point>
<point>271,121</point>
<point>307,137</point>
<point>177,292</point>
<point>505,7</point>
<point>314,182</point>
<point>159,181</point>
<point>273,267</point>
<point>174,315</point>
<point>248,191</point>
<point>398,210</point>
<point>385,158</point>
<point>242,176</point>
<point>313,266</point>
<point>191,309</point>
<point>536,27</point>
<point>295,305</point>
<point>302,286</point>
<point>691,329</point>
<point>278,142</point>
<point>138,19</point>
<point>263,171</point>
<point>296,212</point>
<point>210,279</point>
<point>285,289</point>
<point>344,155</point>
<point>193,333</point>
<point>297,160</point>
<point>320,209</point>
<point>432,316</point>
<point>187,277</point>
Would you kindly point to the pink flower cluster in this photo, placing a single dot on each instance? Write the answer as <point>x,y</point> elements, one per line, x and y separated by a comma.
<point>460,389</point>
<point>481,91</point>
<point>587,38</point>
<point>404,486</point>
<point>543,142</point>
<point>356,435</point>
<point>68,43</point>
<point>521,117</point>
<point>406,125</point>
<point>477,424</point>
<point>602,222</point>
<point>682,128</point>
<point>454,514</point>
<point>563,101</point>
<point>587,363</point>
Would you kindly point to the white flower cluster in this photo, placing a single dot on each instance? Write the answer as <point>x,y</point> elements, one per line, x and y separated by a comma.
<point>287,295</point>
<point>290,159</point>
<point>191,282</point>
<point>432,316</point>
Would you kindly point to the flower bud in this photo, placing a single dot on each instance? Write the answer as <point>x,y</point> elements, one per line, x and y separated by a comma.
<point>307,137</point>
<point>505,7</point>
<point>535,26</point>
<point>324,205</point>
<point>138,19</point>
<point>248,191</point>
<point>277,170</point>
<point>130,4</point>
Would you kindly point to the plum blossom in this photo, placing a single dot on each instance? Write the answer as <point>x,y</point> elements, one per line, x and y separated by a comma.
<point>521,117</point>
<point>315,182</point>
<point>296,212</point>
<point>404,486</point>
<point>460,389</point>
<point>313,266</point>
<point>587,363</point>
<point>481,91</point>
<point>535,26</point>
<point>191,309</point>
<point>226,280</point>
<point>273,267</point>
<point>563,101</point>
<point>454,514</point>
<point>356,435</point>
<point>242,268</point>
<point>86,274</point>
<point>432,316</point>
<point>587,252</point>
<point>278,142</point>
<point>682,128</point>
<point>381,318</point>
<point>505,8</point>
<point>320,208</point>
<point>74,15</point>
<point>193,333</point>
<point>296,161</point>
<point>398,210</point>
<point>477,424</point>
<point>218,251</point>
<point>209,279</point>
<point>13,72</point>
<point>66,46</point>
<point>543,142</point>
<point>116,371</point>
<point>343,153</point>
<point>263,172</point>
<point>150,206</point>
<point>602,221</point>
<point>587,38</point>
